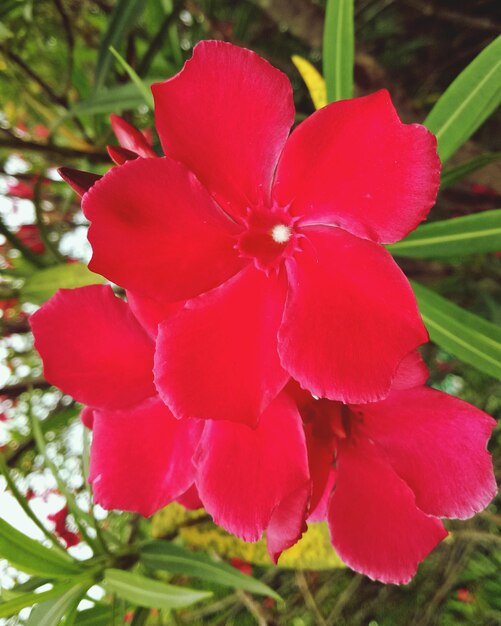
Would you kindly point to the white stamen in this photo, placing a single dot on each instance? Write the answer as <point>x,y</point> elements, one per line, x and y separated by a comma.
<point>281,233</point>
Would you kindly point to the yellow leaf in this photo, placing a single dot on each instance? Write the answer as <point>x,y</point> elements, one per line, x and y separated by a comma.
<point>313,80</point>
<point>314,550</point>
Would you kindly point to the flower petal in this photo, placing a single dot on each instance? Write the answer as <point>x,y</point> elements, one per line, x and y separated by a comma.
<point>376,527</point>
<point>437,444</point>
<point>190,499</point>
<point>349,319</point>
<point>131,138</point>
<point>288,522</point>
<point>217,358</point>
<point>244,474</point>
<point>412,372</point>
<point>354,164</point>
<point>150,313</point>
<point>226,116</point>
<point>78,180</point>
<point>141,457</point>
<point>157,232</point>
<point>87,417</point>
<point>93,348</point>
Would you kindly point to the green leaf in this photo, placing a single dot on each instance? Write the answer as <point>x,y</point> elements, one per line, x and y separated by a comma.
<point>99,615</point>
<point>468,101</point>
<point>122,19</point>
<point>13,606</point>
<point>51,612</point>
<point>32,557</point>
<point>338,49</point>
<point>162,555</point>
<point>43,284</point>
<point>141,87</point>
<point>471,234</point>
<point>465,335</point>
<point>113,100</point>
<point>451,176</point>
<point>150,593</point>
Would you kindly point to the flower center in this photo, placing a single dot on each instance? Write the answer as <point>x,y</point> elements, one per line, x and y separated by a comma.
<point>268,238</point>
<point>281,233</point>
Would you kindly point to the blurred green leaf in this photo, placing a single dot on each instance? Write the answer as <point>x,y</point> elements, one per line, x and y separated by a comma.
<point>141,87</point>
<point>465,335</point>
<point>468,101</point>
<point>338,49</point>
<point>51,612</point>
<point>13,606</point>
<point>453,175</point>
<point>150,593</point>
<point>122,19</point>
<point>471,234</point>
<point>43,284</point>
<point>113,100</point>
<point>162,555</point>
<point>32,557</point>
<point>96,616</point>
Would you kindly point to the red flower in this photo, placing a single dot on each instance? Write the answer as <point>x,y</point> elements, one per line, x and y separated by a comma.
<point>273,241</point>
<point>95,349</point>
<point>396,466</point>
<point>60,520</point>
<point>20,189</point>
<point>30,236</point>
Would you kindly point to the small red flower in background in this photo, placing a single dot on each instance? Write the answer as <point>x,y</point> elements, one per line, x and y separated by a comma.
<point>20,189</point>
<point>273,240</point>
<point>465,595</point>
<point>30,236</point>
<point>243,566</point>
<point>60,520</point>
<point>384,472</point>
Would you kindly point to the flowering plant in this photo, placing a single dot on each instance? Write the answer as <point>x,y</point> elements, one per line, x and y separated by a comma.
<point>255,355</point>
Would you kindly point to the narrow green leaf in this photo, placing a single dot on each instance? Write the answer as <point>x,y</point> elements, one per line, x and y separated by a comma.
<point>465,335</point>
<point>13,606</point>
<point>141,87</point>
<point>32,557</point>
<point>162,555</point>
<point>468,101</point>
<point>43,284</point>
<point>150,593</point>
<point>99,615</point>
<point>113,100</point>
<point>453,175</point>
<point>471,234</point>
<point>123,18</point>
<point>338,49</point>
<point>51,612</point>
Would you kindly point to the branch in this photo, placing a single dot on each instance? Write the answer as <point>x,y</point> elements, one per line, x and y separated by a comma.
<point>13,143</point>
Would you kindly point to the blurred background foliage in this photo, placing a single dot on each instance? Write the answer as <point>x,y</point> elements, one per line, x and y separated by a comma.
<point>59,82</point>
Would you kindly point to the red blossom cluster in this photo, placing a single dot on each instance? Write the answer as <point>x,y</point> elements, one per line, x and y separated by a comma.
<point>264,365</point>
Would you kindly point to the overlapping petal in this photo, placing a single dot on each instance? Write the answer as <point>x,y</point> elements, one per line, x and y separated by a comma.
<point>156,231</point>
<point>141,457</point>
<point>93,348</point>
<point>217,358</point>
<point>354,164</point>
<point>437,444</point>
<point>376,527</point>
<point>244,474</point>
<point>350,317</point>
<point>226,116</point>
<point>150,312</point>
<point>131,138</point>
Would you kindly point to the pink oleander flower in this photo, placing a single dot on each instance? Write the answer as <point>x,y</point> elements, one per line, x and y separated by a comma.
<point>95,349</point>
<point>383,473</point>
<point>272,243</point>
